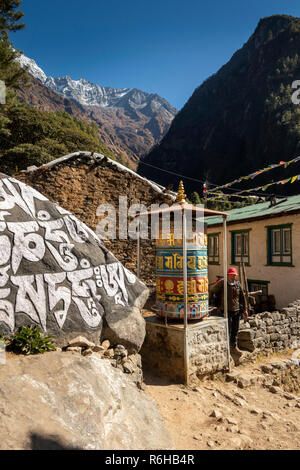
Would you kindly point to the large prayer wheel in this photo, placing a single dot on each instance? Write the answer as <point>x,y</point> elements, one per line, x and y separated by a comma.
<point>169,277</point>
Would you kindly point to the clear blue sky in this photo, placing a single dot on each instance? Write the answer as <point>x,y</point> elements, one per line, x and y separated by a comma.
<point>161,46</point>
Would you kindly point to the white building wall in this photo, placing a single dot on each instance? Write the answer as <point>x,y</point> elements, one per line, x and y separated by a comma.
<point>284,280</point>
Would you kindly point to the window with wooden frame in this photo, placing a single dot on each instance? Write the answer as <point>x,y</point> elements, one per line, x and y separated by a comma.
<point>279,242</point>
<point>254,286</point>
<point>213,248</point>
<point>240,246</point>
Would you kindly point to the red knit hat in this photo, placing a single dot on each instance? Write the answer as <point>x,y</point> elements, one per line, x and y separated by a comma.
<point>232,271</point>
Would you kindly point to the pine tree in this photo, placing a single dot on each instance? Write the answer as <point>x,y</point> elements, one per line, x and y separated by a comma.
<point>29,136</point>
<point>10,17</point>
<point>195,198</point>
<point>10,71</point>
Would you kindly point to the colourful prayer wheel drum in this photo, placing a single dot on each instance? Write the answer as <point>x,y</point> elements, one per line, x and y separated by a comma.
<point>169,277</point>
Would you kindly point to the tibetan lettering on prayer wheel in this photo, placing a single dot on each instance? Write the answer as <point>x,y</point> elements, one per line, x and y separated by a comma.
<point>169,276</point>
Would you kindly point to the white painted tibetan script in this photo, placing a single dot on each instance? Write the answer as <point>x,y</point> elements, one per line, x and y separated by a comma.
<point>37,235</point>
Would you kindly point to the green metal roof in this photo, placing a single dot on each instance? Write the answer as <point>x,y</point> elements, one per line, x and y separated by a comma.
<point>258,211</point>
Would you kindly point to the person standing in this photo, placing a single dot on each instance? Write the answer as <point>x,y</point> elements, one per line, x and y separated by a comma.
<point>236,303</point>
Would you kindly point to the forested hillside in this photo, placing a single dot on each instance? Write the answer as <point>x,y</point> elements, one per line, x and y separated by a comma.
<point>29,136</point>
<point>240,119</point>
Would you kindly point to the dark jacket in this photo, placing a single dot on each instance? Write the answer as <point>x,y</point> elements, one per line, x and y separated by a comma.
<point>236,301</point>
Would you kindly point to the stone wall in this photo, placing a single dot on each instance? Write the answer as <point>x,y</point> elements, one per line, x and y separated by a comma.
<point>282,374</point>
<point>82,182</point>
<point>272,331</point>
<point>163,348</point>
<point>162,351</point>
<point>208,351</point>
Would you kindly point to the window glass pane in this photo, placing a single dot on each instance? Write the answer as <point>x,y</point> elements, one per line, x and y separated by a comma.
<point>286,241</point>
<point>238,244</point>
<point>209,246</point>
<point>213,248</point>
<point>286,259</point>
<point>216,251</point>
<point>264,289</point>
<point>276,259</point>
<point>276,241</point>
<point>256,286</point>
<point>245,244</point>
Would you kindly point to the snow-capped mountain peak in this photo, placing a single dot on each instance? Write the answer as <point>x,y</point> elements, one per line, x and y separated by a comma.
<point>85,92</point>
<point>33,68</point>
<point>92,94</point>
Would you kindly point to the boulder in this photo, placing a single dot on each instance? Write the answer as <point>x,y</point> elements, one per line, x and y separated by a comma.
<point>81,342</point>
<point>127,328</point>
<point>91,406</point>
<point>56,273</point>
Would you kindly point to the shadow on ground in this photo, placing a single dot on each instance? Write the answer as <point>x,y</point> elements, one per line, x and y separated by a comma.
<point>151,378</point>
<point>39,442</point>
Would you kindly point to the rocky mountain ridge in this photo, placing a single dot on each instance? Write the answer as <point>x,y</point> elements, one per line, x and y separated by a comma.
<point>92,94</point>
<point>130,121</point>
<point>240,119</point>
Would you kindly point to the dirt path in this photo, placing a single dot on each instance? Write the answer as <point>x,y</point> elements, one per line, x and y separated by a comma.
<point>251,418</point>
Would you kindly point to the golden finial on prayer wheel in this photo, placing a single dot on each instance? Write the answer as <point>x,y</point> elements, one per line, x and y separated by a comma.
<point>180,198</point>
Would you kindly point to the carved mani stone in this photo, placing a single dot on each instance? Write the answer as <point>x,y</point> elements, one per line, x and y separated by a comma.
<point>56,273</point>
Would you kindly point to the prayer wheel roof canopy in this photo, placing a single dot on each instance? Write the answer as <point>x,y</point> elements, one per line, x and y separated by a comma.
<point>181,204</point>
<point>187,207</point>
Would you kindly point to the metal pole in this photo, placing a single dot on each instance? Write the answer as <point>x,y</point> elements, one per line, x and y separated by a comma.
<point>225,285</point>
<point>225,266</point>
<point>138,268</point>
<point>246,288</point>
<point>186,352</point>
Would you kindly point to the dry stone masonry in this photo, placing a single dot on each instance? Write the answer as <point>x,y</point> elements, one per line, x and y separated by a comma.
<point>281,376</point>
<point>163,349</point>
<point>208,351</point>
<point>265,333</point>
<point>80,182</point>
<point>272,331</point>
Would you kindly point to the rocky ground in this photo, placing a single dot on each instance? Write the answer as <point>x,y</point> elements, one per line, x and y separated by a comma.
<point>242,413</point>
<point>76,400</point>
<point>254,407</point>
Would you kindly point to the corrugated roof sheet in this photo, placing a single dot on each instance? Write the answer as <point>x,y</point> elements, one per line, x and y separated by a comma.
<point>258,211</point>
